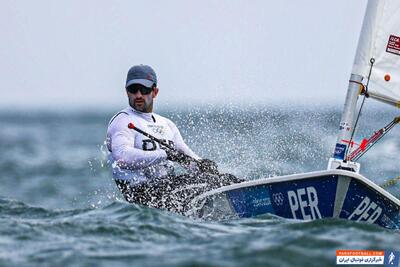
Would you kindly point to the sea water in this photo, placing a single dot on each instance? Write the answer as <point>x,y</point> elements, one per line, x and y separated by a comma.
<point>60,207</point>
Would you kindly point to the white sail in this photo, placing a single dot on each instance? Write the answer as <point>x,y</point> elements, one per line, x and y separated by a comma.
<point>380,41</point>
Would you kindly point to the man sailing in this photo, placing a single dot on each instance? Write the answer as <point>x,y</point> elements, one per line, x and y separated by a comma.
<point>143,168</point>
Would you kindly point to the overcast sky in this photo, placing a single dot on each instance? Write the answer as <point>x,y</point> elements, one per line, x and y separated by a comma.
<point>76,53</point>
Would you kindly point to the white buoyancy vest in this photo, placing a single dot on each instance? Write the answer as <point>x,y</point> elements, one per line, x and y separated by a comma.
<point>135,157</point>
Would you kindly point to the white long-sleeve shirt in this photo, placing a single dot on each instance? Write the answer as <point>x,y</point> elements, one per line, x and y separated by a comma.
<point>135,157</point>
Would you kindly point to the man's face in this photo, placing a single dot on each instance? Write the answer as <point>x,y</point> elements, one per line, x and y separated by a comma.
<point>140,101</point>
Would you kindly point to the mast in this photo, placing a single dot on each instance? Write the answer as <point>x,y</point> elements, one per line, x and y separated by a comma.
<point>346,126</point>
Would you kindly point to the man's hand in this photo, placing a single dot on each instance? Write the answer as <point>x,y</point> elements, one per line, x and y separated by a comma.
<point>174,155</point>
<point>208,166</point>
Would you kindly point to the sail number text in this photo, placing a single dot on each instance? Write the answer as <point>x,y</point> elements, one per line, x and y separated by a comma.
<point>304,203</point>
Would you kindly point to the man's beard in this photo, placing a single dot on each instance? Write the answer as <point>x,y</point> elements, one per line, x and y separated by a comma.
<point>145,107</point>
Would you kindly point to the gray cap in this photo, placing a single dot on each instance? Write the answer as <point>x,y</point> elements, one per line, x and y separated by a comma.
<point>141,74</point>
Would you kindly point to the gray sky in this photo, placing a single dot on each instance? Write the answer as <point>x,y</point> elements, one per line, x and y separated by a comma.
<point>76,53</point>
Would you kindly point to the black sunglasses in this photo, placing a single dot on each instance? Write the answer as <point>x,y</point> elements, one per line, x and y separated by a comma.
<point>134,88</point>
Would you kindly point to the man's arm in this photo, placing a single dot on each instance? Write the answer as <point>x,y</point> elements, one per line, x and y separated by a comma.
<point>122,147</point>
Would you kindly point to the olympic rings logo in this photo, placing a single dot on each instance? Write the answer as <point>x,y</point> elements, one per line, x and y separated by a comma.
<point>278,199</point>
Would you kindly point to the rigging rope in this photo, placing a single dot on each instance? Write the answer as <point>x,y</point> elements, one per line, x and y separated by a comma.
<point>354,156</point>
<point>390,182</point>
<point>365,93</point>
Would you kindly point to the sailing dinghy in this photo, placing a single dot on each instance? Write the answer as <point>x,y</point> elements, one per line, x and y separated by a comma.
<point>340,191</point>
